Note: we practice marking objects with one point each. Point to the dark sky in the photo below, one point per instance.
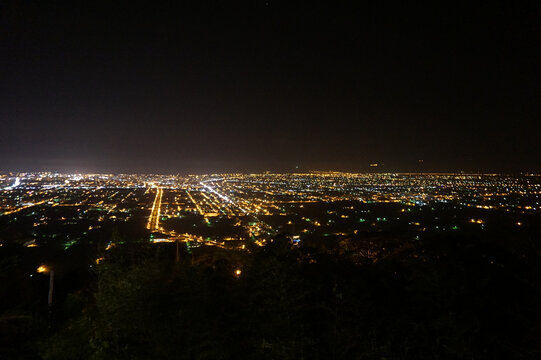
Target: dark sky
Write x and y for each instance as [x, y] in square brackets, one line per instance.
[269, 86]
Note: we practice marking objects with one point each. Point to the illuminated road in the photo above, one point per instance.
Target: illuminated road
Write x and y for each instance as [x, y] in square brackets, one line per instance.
[27, 206]
[257, 229]
[14, 185]
[201, 212]
[154, 218]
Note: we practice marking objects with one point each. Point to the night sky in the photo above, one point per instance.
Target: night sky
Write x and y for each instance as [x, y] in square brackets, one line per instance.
[269, 86]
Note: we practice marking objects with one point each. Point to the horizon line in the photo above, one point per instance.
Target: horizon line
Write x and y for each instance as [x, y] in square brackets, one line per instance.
[311, 172]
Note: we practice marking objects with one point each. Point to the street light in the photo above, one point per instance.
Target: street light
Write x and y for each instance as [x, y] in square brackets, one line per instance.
[44, 270]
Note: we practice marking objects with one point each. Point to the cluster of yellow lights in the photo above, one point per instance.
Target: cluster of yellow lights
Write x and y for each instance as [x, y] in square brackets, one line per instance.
[25, 207]
[477, 221]
[154, 217]
[201, 212]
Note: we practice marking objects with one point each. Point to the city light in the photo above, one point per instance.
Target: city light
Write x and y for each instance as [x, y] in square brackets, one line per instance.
[255, 207]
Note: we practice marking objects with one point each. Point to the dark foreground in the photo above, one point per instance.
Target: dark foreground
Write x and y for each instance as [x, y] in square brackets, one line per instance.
[444, 297]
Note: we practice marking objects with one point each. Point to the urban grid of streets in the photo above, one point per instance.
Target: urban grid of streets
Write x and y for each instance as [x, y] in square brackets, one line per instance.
[213, 209]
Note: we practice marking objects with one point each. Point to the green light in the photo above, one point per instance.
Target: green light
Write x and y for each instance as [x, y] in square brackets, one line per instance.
[68, 244]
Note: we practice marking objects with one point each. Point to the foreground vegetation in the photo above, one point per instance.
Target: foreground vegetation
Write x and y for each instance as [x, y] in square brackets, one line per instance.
[440, 298]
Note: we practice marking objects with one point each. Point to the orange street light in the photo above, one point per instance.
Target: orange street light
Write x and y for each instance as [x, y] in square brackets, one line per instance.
[44, 270]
